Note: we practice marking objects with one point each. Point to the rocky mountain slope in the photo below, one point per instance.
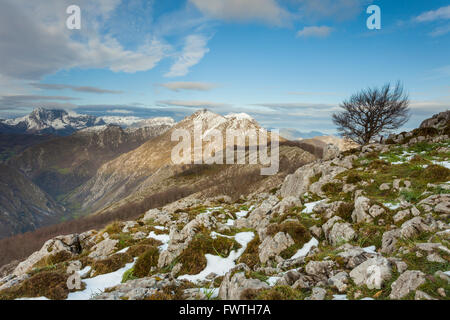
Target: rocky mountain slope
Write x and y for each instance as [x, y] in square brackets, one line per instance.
[62, 164]
[142, 170]
[23, 205]
[368, 223]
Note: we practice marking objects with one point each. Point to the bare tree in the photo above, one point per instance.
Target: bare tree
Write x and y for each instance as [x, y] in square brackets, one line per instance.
[371, 112]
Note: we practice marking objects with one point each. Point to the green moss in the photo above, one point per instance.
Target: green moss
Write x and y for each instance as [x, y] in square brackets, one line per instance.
[315, 178]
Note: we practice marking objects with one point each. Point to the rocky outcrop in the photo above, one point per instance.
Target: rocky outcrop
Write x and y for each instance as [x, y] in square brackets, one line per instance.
[373, 273]
[406, 283]
[437, 121]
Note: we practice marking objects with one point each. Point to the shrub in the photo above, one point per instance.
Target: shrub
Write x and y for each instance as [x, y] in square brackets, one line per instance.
[436, 173]
[193, 257]
[112, 263]
[52, 284]
[332, 187]
[345, 211]
[353, 178]
[280, 293]
[251, 254]
[145, 262]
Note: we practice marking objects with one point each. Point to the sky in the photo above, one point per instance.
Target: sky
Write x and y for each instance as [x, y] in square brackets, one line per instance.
[287, 63]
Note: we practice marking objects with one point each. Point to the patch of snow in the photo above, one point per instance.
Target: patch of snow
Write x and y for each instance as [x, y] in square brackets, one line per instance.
[392, 206]
[85, 271]
[33, 298]
[310, 206]
[244, 213]
[219, 265]
[306, 248]
[99, 283]
[164, 238]
[370, 249]
[159, 228]
[123, 250]
[271, 281]
[230, 222]
[340, 297]
[445, 164]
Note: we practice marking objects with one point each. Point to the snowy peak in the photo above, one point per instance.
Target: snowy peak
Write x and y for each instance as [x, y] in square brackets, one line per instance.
[61, 122]
[51, 121]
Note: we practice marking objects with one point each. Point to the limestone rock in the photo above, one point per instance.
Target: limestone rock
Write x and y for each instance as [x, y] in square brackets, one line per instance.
[407, 282]
[373, 273]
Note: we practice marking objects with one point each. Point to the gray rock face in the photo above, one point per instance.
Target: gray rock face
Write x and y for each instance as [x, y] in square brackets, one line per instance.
[321, 269]
[437, 121]
[361, 211]
[103, 249]
[232, 288]
[339, 281]
[406, 283]
[336, 231]
[70, 243]
[353, 256]
[414, 227]
[273, 246]
[373, 273]
[317, 294]
[389, 241]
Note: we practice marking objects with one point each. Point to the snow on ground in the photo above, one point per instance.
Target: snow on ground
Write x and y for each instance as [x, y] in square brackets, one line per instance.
[243, 213]
[159, 227]
[310, 206]
[339, 297]
[99, 283]
[306, 248]
[33, 298]
[164, 238]
[370, 249]
[445, 164]
[123, 250]
[271, 281]
[219, 265]
[392, 206]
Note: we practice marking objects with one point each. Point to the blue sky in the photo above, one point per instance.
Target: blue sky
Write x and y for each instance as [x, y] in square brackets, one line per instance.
[287, 63]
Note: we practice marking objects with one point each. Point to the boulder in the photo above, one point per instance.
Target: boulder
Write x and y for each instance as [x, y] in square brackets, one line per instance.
[372, 273]
[273, 246]
[233, 286]
[406, 283]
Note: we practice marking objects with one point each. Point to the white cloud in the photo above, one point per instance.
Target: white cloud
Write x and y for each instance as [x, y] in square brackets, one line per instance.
[193, 104]
[35, 42]
[321, 32]
[193, 51]
[121, 111]
[88, 89]
[339, 10]
[267, 11]
[442, 13]
[197, 86]
[440, 31]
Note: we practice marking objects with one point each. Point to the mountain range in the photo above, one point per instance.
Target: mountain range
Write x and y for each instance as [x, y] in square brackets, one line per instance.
[80, 165]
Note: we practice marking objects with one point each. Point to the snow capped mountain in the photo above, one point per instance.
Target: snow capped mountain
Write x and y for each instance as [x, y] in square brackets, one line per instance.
[61, 122]
[58, 122]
